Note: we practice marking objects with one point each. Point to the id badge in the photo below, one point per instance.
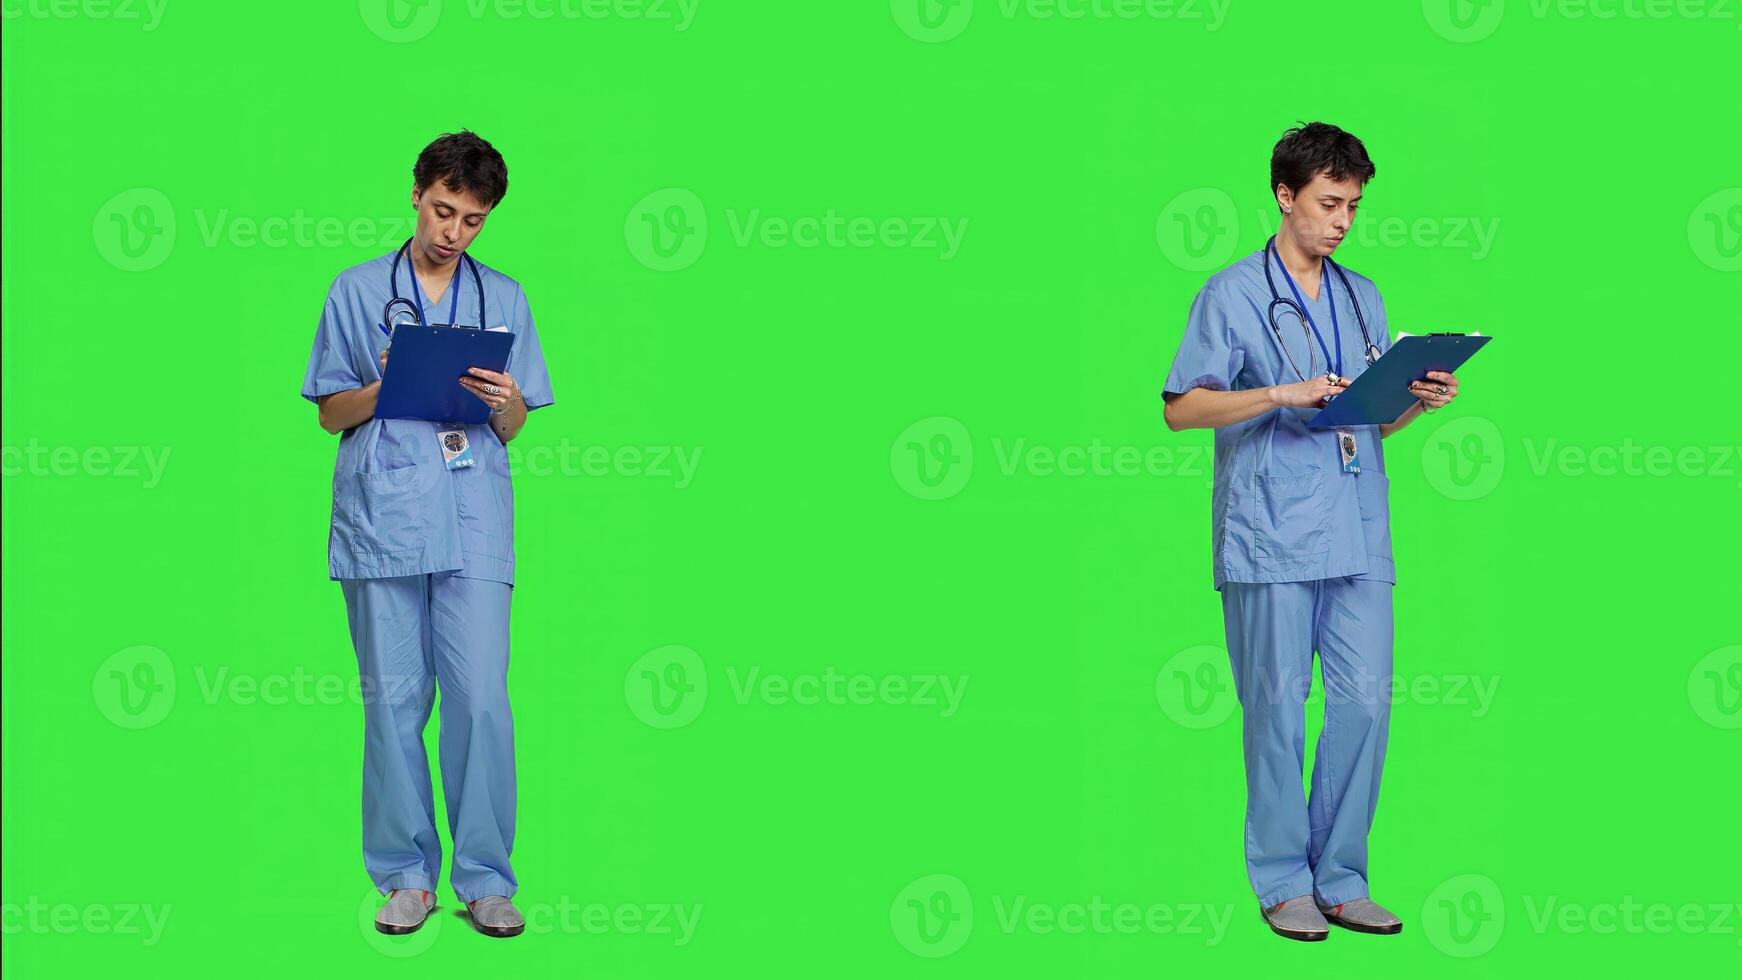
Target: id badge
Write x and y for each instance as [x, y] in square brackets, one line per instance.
[1347, 449]
[456, 448]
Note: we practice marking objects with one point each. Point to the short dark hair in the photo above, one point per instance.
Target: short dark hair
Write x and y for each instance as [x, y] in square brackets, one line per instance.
[1314, 148]
[463, 161]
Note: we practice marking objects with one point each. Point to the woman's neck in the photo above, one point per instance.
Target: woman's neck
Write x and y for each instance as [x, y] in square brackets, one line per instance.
[1301, 265]
[428, 270]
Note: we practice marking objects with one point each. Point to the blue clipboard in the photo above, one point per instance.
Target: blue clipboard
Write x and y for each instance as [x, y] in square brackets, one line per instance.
[1381, 393]
[424, 370]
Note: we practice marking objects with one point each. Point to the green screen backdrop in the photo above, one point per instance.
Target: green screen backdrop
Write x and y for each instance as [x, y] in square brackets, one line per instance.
[864, 622]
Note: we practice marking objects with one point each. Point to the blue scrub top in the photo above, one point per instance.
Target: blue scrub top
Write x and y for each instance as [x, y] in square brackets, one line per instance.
[397, 508]
[1281, 508]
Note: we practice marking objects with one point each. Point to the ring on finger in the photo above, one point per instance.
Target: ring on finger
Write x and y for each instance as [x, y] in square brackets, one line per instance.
[497, 390]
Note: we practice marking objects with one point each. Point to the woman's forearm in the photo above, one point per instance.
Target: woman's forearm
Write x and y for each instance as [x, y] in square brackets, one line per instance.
[1409, 415]
[1201, 408]
[343, 409]
[509, 422]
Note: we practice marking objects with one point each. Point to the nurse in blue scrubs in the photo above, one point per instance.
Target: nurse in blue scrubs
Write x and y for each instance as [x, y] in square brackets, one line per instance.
[424, 548]
[1300, 532]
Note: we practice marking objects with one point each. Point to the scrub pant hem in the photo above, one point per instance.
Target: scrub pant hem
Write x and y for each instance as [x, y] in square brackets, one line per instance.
[1282, 895]
[487, 886]
[405, 880]
[1341, 897]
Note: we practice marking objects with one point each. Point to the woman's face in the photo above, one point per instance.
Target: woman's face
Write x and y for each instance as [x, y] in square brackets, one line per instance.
[1319, 217]
[447, 221]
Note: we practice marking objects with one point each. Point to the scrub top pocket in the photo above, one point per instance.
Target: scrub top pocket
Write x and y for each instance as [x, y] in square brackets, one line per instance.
[386, 510]
[1293, 516]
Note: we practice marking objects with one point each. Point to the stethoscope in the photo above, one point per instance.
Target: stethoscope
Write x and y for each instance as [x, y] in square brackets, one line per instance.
[414, 305]
[1298, 306]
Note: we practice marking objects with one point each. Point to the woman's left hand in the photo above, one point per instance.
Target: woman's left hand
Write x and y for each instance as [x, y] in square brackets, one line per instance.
[496, 388]
[1437, 391]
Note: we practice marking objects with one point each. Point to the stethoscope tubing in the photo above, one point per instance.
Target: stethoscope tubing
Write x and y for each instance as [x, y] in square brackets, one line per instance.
[1277, 299]
[416, 308]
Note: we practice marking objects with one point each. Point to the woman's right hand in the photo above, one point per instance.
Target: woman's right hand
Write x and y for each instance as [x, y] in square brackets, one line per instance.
[384, 362]
[1314, 392]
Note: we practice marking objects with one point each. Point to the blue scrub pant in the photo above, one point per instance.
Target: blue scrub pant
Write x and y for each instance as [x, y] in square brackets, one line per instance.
[411, 635]
[1295, 846]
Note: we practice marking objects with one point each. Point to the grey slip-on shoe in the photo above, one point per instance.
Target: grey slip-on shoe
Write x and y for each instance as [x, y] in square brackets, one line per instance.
[405, 911]
[494, 915]
[1363, 915]
[1296, 918]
